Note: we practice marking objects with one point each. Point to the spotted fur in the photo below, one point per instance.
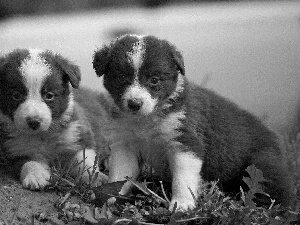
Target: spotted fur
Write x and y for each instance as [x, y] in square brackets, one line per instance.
[185, 132]
[39, 119]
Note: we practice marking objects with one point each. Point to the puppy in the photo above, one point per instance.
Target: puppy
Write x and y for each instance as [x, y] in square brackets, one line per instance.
[182, 130]
[39, 119]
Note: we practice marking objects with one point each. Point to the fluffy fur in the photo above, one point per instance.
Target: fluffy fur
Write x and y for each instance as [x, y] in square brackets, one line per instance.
[185, 132]
[39, 120]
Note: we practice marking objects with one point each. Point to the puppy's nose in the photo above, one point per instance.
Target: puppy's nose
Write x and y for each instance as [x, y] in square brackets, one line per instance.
[33, 123]
[134, 104]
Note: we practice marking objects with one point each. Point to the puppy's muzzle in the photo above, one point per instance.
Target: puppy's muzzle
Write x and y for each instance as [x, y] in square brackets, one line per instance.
[33, 122]
[134, 105]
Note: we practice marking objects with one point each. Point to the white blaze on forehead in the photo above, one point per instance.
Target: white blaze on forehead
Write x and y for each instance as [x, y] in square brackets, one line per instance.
[136, 55]
[34, 69]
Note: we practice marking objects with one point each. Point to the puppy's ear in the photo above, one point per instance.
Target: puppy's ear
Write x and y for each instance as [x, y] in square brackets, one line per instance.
[101, 59]
[71, 71]
[178, 60]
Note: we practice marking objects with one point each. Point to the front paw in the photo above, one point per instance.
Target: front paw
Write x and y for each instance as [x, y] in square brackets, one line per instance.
[182, 205]
[101, 179]
[35, 175]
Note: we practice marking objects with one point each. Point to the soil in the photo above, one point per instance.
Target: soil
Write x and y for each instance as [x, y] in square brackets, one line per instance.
[21, 206]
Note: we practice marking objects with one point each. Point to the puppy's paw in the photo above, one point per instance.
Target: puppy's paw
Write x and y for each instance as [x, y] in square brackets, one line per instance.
[182, 204]
[101, 179]
[35, 175]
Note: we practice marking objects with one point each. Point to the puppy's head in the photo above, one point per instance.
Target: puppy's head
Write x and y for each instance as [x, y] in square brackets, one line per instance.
[141, 73]
[34, 89]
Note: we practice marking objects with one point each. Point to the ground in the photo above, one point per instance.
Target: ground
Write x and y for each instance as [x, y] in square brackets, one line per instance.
[30, 207]
[20, 205]
[12, 196]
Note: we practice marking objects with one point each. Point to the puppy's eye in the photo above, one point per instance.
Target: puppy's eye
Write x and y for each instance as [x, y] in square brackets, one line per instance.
[17, 96]
[154, 81]
[49, 96]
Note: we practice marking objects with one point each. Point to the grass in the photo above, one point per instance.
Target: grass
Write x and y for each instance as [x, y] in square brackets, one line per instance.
[148, 203]
[149, 200]
[213, 207]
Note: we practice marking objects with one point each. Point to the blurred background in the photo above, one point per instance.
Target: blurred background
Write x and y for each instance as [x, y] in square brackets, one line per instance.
[248, 51]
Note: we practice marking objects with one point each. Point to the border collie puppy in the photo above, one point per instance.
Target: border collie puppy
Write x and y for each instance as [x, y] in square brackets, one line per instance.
[39, 119]
[184, 131]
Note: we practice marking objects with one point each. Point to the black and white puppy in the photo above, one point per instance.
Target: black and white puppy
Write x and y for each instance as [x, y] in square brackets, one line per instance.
[39, 119]
[182, 130]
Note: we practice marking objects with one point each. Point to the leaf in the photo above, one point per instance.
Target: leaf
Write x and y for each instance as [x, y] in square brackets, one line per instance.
[106, 191]
[254, 184]
[256, 177]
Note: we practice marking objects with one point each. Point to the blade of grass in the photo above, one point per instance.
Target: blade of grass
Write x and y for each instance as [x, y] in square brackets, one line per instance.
[163, 191]
[147, 189]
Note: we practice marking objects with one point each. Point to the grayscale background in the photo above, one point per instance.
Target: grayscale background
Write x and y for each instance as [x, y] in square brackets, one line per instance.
[248, 51]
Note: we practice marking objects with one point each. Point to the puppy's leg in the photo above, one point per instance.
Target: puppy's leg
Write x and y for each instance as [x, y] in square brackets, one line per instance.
[122, 163]
[185, 170]
[279, 185]
[87, 158]
[35, 175]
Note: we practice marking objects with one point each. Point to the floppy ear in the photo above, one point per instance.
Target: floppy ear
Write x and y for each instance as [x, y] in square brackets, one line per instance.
[178, 60]
[101, 59]
[71, 70]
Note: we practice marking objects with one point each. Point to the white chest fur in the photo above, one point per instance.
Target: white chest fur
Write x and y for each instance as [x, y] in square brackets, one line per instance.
[150, 138]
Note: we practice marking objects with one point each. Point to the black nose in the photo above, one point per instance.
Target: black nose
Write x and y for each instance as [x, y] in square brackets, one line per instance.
[33, 123]
[134, 104]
